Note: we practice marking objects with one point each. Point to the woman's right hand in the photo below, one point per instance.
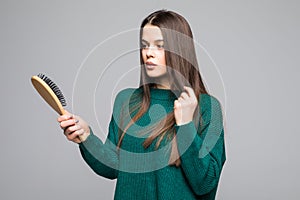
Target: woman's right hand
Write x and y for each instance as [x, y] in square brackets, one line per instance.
[75, 128]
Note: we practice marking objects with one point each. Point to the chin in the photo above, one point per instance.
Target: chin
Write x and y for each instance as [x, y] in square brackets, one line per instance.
[151, 75]
[155, 74]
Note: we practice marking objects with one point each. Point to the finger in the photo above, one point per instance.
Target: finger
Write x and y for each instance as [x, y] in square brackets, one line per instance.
[75, 134]
[67, 115]
[190, 91]
[184, 95]
[177, 104]
[69, 130]
[180, 99]
[76, 118]
[64, 117]
[67, 123]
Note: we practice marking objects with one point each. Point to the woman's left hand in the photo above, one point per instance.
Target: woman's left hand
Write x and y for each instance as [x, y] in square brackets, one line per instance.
[185, 106]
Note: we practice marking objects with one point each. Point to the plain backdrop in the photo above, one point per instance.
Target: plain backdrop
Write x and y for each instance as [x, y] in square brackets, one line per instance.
[250, 62]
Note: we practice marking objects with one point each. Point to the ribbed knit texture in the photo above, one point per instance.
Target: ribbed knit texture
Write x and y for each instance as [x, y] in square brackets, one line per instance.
[145, 173]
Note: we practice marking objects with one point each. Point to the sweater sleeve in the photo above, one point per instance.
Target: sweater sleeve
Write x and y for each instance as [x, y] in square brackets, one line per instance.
[203, 152]
[102, 158]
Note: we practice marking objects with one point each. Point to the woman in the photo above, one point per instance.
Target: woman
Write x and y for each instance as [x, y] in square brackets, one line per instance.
[165, 138]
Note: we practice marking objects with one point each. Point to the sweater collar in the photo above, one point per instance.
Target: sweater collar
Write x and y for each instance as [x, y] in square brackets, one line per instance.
[163, 94]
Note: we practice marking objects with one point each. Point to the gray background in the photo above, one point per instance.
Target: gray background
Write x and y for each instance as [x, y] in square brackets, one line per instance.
[255, 45]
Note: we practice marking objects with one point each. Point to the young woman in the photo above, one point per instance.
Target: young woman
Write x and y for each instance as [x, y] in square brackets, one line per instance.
[166, 137]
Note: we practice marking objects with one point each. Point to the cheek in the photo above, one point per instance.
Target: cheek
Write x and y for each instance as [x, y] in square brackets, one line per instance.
[144, 55]
[162, 58]
[164, 69]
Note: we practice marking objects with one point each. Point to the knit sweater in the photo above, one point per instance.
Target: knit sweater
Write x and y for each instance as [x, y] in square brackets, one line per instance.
[145, 173]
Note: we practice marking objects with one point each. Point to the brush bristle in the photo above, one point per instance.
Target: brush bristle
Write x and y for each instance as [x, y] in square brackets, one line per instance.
[54, 88]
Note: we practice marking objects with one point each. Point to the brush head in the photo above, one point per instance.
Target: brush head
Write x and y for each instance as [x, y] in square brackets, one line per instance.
[50, 92]
[54, 88]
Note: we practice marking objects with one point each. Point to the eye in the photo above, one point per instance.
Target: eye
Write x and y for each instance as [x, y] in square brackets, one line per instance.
[144, 46]
[160, 46]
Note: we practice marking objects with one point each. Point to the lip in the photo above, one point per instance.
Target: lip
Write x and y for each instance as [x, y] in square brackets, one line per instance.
[150, 65]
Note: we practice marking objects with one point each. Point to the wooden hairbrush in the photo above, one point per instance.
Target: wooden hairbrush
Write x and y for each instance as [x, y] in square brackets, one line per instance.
[50, 93]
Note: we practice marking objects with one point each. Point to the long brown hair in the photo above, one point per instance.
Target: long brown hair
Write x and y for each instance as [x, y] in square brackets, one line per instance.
[180, 58]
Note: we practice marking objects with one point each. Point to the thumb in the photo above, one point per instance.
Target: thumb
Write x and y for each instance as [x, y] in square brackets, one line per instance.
[67, 115]
[176, 104]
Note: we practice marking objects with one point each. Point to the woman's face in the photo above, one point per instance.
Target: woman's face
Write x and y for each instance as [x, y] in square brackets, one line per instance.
[153, 52]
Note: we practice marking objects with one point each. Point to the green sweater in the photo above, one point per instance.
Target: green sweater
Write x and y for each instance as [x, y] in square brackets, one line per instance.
[144, 173]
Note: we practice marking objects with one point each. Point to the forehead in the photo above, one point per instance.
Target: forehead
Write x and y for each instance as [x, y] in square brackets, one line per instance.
[151, 33]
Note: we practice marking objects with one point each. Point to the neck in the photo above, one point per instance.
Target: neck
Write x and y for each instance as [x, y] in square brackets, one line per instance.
[162, 86]
[162, 82]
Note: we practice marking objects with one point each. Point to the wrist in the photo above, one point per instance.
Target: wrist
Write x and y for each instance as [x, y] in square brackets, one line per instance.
[183, 122]
[85, 135]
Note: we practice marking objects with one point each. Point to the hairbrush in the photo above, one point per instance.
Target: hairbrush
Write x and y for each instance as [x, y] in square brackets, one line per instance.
[50, 93]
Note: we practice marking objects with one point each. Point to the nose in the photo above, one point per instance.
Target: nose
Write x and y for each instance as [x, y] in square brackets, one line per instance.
[150, 52]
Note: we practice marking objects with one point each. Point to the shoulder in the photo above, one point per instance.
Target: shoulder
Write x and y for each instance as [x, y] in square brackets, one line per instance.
[209, 103]
[124, 95]
[127, 93]
[208, 99]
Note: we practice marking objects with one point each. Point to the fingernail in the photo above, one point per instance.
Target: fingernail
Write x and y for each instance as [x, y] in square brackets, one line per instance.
[76, 121]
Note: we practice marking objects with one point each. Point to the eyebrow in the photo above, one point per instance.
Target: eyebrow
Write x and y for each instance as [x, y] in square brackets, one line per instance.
[159, 40]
